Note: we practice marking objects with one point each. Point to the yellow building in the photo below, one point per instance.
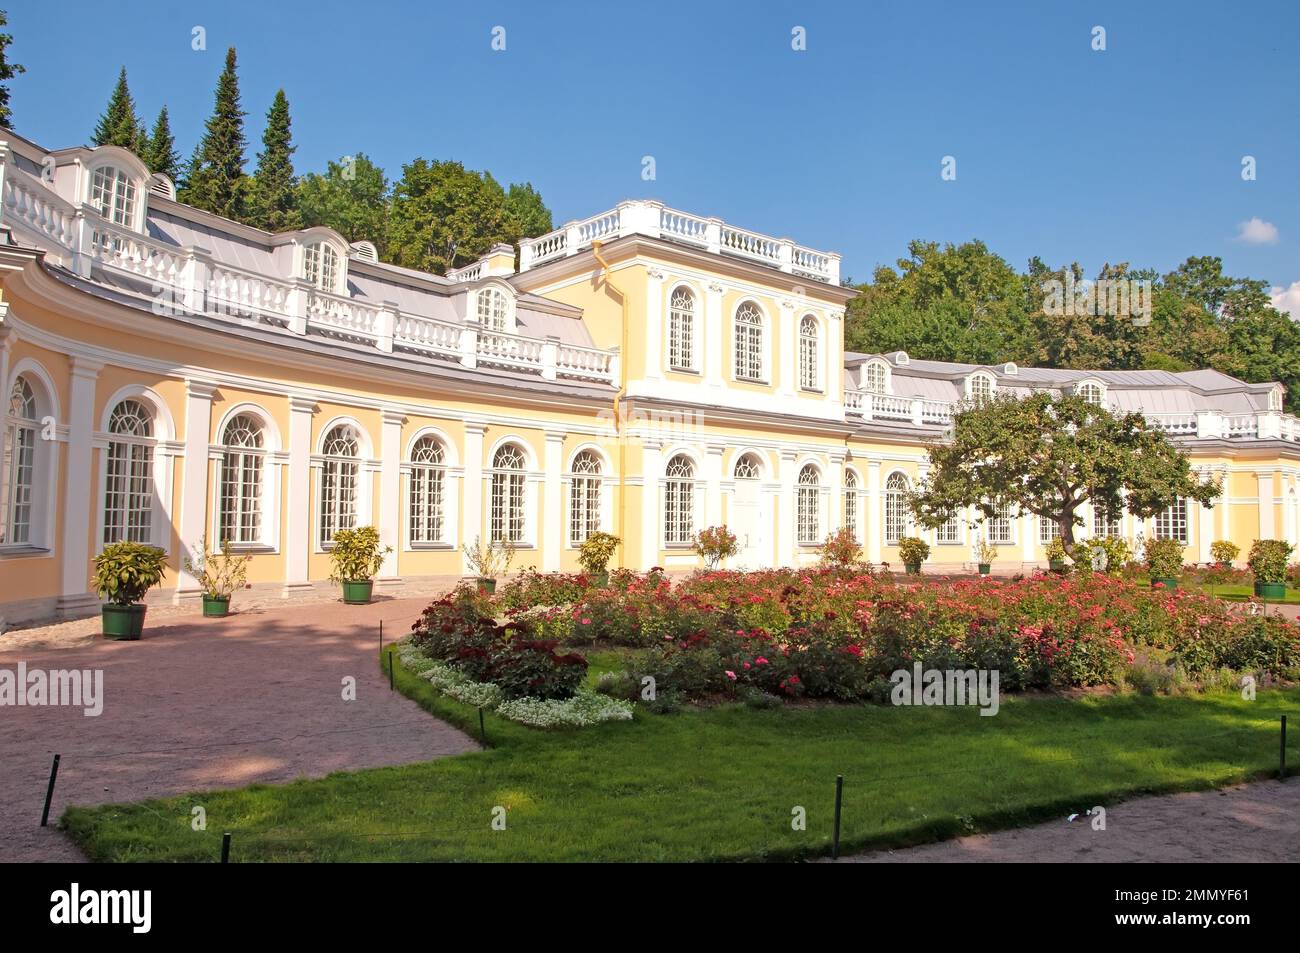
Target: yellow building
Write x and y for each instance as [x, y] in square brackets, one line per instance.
[173, 376]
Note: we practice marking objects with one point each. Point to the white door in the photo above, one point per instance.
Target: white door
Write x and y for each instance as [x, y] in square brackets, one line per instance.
[747, 524]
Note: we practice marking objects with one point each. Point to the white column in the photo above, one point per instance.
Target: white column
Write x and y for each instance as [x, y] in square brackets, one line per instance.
[297, 517]
[1028, 538]
[1224, 507]
[713, 484]
[79, 498]
[390, 494]
[875, 531]
[471, 502]
[786, 510]
[655, 358]
[651, 471]
[553, 501]
[1205, 527]
[194, 483]
[835, 508]
[715, 357]
[783, 349]
[1267, 495]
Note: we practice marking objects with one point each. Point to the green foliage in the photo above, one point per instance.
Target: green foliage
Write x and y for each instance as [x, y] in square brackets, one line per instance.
[7, 72]
[215, 180]
[1164, 557]
[351, 198]
[160, 153]
[1268, 559]
[714, 544]
[356, 554]
[1116, 549]
[489, 559]
[1224, 551]
[120, 125]
[526, 214]
[913, 550]
[1056, 549]
[595, 552]
[274, 190]
[219, 573]
[124, 571]
[841, 549]
[986, 551]
[444, 216]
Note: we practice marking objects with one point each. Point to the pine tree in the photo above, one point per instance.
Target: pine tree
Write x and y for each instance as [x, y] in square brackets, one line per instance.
[216, 173]
[7, 72]
[160, 153]
[274, 186]
[120, 126]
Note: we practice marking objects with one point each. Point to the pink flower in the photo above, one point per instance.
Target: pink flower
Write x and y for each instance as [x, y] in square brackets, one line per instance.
[586, 622]
[760, 661]
[731, 675]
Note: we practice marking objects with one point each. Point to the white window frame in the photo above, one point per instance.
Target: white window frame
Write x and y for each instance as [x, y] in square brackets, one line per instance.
[897, 521]
[324, 266]
[423, 477]
[165, 449]
[749, 344]
[973, 388]
[810, 352]
[807, 509]
[949, 532]
[683, 330]
[494, 308]
[678, 526]
[1000, 529]
[273, 460]
[1169, 521]
[852, 502]
[869, 370]
[1085, 388]
[24, 466]
[1048, 530]
[115, 194]
[586, 496]
[511, 483]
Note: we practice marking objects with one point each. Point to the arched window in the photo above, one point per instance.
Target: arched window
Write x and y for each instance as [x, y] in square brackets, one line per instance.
[982, 387]
[1172, 522]
[584, 497]
[749, 342]
[809, 371]
[427, 491]
[112, 194]
[320, 266]
[896, 513]
[807, 504]
[851, 502]
[129, 489]
[18, 466]
[748, 468]
[243, 470]
[679, 501]
[681, 330]
[493, 310]
[1090, 392]
[874, 377]
[1275, 399]
[340, 481]
[508, 494]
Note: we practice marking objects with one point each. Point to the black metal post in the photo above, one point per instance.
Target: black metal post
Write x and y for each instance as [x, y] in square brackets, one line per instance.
[1281, 767]
[225, 847]
[391, 669]
[49, 792]
[839, 802]
[482, 730]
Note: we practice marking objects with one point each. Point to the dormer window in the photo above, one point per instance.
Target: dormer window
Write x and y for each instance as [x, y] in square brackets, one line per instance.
[980, 387]
[1275, 399]
[875, 377]
[1091, 391]
[494, 311]
[320, 266]
[112, 194]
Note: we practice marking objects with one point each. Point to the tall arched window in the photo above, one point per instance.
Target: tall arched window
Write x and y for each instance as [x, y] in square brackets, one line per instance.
[18, 466]
[851, 489]
[679, 501]
[493, 310]
[874, 377]
[807, 505]
[896, 513]
[748, 468]
[749, 342]
[508, 494]
[427, 491]
[681, 330]
[584, 497]
[320, 266]
[340, 481]
[809, 357]
[112, 194]
[243, 471]
[129, 490]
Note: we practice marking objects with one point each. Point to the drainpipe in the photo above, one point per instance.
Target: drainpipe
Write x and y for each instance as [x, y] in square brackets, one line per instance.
[622, 390]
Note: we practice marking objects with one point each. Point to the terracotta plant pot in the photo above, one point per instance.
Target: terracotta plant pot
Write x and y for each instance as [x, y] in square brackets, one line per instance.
[357, 593]
[123, 623]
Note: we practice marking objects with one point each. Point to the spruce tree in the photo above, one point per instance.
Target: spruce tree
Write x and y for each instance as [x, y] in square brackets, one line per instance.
[160, 153]
[274, 186]
[216, 174]
[120, 126]
[7, 72]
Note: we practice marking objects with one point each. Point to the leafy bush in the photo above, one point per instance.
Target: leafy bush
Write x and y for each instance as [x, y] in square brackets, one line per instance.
[986, 551]
[527, 668]
[490, 559]
[913, 550]
[1224, 551]
[841, 550]
[595, 552]
[124, 572]
[1056, 549]
[715, 544]
[356, 555]
[533, 588]
[1164, 557]
[1116, 552]
[582, 710]
[219, 574]
[1268, 559]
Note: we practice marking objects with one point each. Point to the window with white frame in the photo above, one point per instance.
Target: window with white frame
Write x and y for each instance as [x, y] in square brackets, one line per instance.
[129, 487]
[18, 465]
[875, 377]
[584, 497]
[426, 492]
[949, 532]
[748, 468]
[1102, 526]
[1048, 530]
[897, 516]
[1091, 392]
[1275, 399]
[981, 387]
[1172, 523]
[112, 194]
[243, 473]
[807, 506]
[493, 310]
[681, 330]
[320, 266]
[340, 481]
[749, 342]
[851, 490]
[809, 348]
[679, 501]
[507, 511]
[1001, 527]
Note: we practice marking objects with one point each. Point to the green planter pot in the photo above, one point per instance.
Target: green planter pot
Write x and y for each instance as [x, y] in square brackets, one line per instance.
[1166, 582]
[1271, 590]
[985, 568]
[358, 593]
[1056, 565]
[487, 586]
[913, 569]
[216, 606]
[123, 623]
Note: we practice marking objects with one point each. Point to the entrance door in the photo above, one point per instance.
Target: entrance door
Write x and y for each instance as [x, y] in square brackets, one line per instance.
[747, 524]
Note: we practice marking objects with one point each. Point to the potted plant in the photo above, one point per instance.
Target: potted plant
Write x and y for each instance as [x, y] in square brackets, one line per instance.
[986, 552]
[715, 544]
[356, 556]
[913, 550]
[594, 555]
[1225, 553]
[1268, 561]
[1164, 559]
[489, 560]
[124, 572]
[218, 574]
[1056, 555]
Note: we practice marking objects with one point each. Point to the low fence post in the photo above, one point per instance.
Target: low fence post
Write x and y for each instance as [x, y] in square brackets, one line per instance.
[49, 792]
[839, 801]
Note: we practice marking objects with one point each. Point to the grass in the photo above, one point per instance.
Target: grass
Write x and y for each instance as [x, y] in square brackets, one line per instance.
[720, 783]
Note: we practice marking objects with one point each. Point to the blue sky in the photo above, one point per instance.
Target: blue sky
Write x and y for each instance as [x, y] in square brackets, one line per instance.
[1131, 154]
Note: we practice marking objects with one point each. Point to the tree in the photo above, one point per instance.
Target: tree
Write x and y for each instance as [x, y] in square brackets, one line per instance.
[160, 153]
[351, 198]
[526, 214]
[1049, 456]
[443, 216]
[119, 125]
[7, 72]
[274, 193]
[215, 178]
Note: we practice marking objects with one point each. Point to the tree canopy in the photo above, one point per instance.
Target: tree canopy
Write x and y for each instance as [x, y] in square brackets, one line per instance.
[274, 199]
[7, 72]
[351, 197]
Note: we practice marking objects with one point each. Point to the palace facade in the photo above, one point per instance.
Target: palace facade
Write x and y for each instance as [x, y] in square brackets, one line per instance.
[171, 377]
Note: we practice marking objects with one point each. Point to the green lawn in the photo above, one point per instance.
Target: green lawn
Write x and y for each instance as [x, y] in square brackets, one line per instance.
[721, 784]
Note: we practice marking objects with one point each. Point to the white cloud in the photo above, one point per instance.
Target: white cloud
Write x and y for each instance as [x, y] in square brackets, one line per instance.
[1257, 232]
[1287, 299]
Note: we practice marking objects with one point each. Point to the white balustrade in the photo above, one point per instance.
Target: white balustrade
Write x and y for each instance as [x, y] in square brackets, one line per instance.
[426, 336]
[31, 205]
[341, 317]
[244, 294]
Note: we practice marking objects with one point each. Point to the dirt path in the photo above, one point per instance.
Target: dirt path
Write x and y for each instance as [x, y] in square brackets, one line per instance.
[1250, 823]
[201, 703]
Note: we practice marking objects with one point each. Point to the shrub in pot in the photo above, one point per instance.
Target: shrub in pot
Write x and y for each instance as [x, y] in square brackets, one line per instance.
[595, 553]
[489, 560]
[986, 552]
[218, 575]
[356, 555]
[841, 550]
[1164, 559]
[1056, 555]
[1224, 552]
[913, 550]
[124, 572]
[714, 544]
[1268, 561]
